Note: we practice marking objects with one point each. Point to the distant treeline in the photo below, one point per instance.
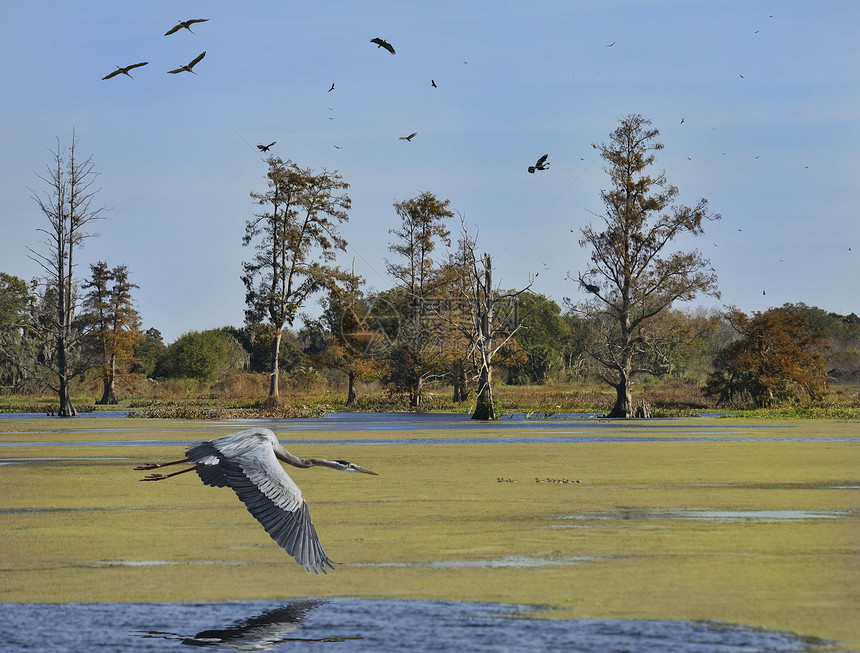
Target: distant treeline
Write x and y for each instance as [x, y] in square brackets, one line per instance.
[362, 338]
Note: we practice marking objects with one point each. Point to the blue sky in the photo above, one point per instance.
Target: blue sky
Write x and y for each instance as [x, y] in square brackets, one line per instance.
[769, 94]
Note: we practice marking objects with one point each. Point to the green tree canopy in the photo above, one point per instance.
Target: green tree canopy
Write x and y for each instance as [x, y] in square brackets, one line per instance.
[203, 355]
[15, 302]
[147, 352]
[541, 339]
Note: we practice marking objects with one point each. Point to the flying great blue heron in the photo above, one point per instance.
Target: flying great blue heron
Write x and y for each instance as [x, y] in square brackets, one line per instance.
[186, 24]
[187, 67]
[247, 462]
[124, 70]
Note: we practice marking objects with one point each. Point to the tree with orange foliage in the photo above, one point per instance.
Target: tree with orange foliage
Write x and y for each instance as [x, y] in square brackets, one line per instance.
[115, 323]
[778, 358]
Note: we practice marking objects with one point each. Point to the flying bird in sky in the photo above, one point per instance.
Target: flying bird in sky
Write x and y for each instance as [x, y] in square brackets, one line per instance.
[188, 66]
[265, 148]
[540, 165]
[185, 24]
[247, 462]
[124, 71]
[433, 83]
[410, 137]
[382, 43]
[332, 87]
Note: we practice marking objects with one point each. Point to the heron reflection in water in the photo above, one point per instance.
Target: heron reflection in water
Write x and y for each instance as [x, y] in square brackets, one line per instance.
[247, 462]
[258, 633]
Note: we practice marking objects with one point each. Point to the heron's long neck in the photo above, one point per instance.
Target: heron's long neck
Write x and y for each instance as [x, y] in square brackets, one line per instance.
[295, 461]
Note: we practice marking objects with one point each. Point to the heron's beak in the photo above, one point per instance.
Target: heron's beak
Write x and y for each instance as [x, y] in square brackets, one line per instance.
[365, 471]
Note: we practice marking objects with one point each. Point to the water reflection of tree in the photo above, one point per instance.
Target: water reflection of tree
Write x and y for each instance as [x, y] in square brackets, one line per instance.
[257, 633]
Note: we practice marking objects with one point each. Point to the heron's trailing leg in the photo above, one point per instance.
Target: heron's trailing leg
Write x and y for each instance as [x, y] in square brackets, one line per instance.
[161, 477]
[147, 466]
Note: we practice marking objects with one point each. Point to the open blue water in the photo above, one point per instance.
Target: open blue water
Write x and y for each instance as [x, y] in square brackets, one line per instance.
[558, 429]
[345, 625]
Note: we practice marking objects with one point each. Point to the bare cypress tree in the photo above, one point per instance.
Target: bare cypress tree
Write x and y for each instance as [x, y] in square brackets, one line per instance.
[633, 274]
[67, 204]
[478, 321]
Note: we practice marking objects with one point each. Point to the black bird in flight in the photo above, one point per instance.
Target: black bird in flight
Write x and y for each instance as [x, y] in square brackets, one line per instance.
[433, 83]
[124, 71]
[186, 24]
[382, 43]
[265, 148]
[409, 138]
[611, 44]
[188, 66]
[332, 87]
[540, 165]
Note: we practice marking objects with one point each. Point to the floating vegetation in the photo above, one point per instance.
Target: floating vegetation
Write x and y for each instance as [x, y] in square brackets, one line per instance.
[190, 411]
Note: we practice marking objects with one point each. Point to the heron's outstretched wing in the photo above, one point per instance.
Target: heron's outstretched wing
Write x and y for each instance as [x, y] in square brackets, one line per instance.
[197, 59]
[250, 468]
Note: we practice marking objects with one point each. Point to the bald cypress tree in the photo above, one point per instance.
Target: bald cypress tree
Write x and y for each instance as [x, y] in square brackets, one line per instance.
[295, 236]
[634, 272]
[115, 323]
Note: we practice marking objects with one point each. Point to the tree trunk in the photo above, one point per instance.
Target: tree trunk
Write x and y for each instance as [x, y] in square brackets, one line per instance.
[350, 392]
[66, 409]
[273, 378]
[415, 394]
[484, 408]
[624, 398]
[459, 385]
[109, 382]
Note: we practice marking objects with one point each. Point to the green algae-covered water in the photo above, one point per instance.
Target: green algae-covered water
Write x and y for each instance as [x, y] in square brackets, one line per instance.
[747, 525]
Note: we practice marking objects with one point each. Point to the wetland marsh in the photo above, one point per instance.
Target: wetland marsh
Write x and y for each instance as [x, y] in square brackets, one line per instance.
[735, 522]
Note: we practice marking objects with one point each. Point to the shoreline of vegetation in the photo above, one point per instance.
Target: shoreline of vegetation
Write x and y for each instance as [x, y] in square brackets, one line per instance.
[236, 398]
